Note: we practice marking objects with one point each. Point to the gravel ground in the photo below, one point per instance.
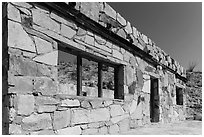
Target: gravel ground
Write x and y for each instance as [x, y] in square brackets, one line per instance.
[179, 128]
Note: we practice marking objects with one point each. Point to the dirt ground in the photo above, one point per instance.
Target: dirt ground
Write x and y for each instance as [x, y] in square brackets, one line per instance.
[179, 128]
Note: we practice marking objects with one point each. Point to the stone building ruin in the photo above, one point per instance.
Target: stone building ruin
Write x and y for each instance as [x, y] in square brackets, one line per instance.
[81, 68]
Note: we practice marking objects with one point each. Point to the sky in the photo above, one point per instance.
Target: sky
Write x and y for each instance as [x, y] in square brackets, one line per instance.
[175, 27]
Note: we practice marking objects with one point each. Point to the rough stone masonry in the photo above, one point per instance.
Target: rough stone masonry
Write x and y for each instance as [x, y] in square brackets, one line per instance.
[35, 103]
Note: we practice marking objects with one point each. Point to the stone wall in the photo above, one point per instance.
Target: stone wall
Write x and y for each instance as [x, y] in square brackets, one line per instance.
[36, 103]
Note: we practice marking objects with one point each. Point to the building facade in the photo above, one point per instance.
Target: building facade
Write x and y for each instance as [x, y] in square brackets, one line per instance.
[81, 68]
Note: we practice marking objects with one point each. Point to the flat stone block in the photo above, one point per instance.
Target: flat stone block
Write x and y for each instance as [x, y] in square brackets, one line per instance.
[43, 46]
[70, 103]
[18, 38]
[61, 119]
[113, 129]
[70, 131]
[46, 108]
[67, 31]
[49, 58]
[25, 104]
[117, 54]
[79, 116]
[101, 114]
[37, 122]
[13, 13]
[116, 110]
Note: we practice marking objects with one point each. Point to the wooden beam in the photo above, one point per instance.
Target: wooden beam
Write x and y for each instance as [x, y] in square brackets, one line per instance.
[100, 81]
[79, 76]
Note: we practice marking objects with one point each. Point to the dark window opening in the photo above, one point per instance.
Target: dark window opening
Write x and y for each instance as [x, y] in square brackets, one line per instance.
[80, 75]
[179, 96]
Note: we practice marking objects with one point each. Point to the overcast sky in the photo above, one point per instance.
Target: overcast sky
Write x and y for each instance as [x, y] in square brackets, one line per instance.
[174, 27]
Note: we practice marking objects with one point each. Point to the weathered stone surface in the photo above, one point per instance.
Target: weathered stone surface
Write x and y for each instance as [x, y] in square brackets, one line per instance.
[49, 58]
[116, 110]
[103, 130]
[114, 129]
[25, 104]
[45, 86]
[45, 21]
[22, 4]
[13, 13]
[128, 28]
[108, 102]
[79, 116]
[61, 119]
[145, 39]
[117, 54]
[122, 33]
[96, 103]
[41, 100]
[105, 48]
[15, 129]
[67, 31]
[133, 107]
[101, 114]
[146, 87]
[18, 38]
[70, 131]
[85, 104]
[89, 40]
[165, 80]
[137, 114]
[12, 114]
[121, 20]
[129, 75]
[37, 122]
[42, 46]
[119, 118]
[110, 11]
[64, 21]
[46, 108]
[91, 9]
[70, 103]
[66, 88]
[100, 40]
[124, 125]
[22, 85]
[43, 132]
[140, 78]
[90, 131]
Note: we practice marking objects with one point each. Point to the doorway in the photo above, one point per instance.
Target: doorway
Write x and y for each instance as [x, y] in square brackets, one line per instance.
[154, 100]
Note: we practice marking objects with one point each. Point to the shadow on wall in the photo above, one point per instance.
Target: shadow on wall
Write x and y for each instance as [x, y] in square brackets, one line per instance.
[5, 64]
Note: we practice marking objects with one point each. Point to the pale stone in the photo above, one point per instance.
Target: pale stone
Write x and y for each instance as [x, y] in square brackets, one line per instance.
[70, 131]
[43, 132]
[96, 103]
[110, 11]
[89, 40]
[165, 80]
[12, 114]
[135, 32]
[114, 129]
[101, 114]
[22, 4]
[85, 104]
[49, 58]
[103, 130]
[18, 38]
[105, 48]
[90, 131]
[119, 118]
[67, 31]
[117, 54]
[25, 104]
[116, 110]
[126, 89]
[146, 86]
[43, 100]
[46, 108]
[121, 20]
[133, 107]
[42, 46]
[138, 112]
[45, 21]
[70, 103]
[79, 116]
[37, 122]
[128, 28]
[62, 20]
[145, 39]
[15, 129]
[129, 75]
[108, 102]
[124, 125]
[61, 119]
[13, 13]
